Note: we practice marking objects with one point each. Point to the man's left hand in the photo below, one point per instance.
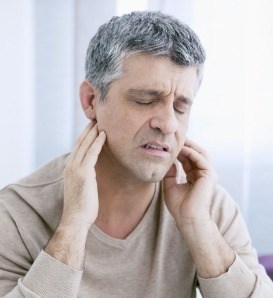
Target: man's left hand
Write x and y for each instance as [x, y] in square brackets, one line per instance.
[190, 201]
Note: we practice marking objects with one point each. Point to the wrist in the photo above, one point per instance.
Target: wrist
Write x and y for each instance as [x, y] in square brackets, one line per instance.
[74, 224]
[211, 254]
[68, 244]
[197, 224]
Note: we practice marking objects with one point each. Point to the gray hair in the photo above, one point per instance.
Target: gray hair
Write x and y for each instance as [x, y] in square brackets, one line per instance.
[150, 32]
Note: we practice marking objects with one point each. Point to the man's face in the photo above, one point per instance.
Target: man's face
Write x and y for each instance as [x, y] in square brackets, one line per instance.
[145, 116]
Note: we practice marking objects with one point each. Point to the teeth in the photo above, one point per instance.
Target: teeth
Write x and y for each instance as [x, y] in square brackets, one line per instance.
[154, 147]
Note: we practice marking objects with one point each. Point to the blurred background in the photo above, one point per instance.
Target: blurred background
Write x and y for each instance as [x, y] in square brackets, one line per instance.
[43, 45]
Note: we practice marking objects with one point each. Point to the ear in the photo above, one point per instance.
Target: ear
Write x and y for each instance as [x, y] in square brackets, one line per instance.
[88, 95]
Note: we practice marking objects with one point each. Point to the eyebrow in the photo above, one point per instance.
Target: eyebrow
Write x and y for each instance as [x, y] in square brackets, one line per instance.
[154, 92]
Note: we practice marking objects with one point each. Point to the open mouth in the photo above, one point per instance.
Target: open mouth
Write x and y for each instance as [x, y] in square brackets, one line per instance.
[154, 147]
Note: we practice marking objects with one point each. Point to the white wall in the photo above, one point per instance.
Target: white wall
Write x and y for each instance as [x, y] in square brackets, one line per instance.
[89, 16]
[16, 89]
[42, 64]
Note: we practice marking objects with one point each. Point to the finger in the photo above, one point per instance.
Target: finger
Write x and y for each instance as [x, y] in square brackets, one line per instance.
[86, 145]
[196, 147]
[188, 167]
[197, 160]
[186, 163]
[93, 152]
[79, 140]
[191, 177]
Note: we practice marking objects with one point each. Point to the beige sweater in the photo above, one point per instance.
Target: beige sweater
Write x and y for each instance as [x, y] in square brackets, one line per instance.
[153, 261]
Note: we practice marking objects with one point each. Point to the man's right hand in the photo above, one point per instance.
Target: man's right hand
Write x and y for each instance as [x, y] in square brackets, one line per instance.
[80, 185]
[80, 200]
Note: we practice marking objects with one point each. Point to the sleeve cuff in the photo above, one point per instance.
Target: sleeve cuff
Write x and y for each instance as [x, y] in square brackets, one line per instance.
[237, 282]
[49, 277]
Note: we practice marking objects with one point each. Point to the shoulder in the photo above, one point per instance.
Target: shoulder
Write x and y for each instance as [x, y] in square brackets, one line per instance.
[38, 195]
[224, 210]
[47, 174]
[222, 202]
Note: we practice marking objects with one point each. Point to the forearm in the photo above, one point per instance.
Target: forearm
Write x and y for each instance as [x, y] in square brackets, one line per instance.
[54, 271]
[80, 208]
[211, 254]
[68, 244]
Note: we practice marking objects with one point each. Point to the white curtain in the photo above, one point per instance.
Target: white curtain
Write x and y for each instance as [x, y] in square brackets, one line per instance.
[42, 65]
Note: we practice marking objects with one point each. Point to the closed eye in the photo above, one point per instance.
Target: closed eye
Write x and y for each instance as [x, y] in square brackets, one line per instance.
[181, 108]
[180, 112]
[144, 103]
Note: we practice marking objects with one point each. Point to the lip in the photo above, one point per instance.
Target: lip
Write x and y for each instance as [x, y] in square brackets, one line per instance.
[165, 152]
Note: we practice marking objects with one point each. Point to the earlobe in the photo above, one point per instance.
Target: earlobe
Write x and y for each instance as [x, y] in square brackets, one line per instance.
[88, 96]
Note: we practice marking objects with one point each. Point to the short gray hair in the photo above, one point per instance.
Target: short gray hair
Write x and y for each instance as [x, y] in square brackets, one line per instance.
[150, 32]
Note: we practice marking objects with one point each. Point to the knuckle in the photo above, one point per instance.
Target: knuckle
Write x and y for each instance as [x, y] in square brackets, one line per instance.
[69, 169]
[75, 175]
[85, 143]
[80, 179]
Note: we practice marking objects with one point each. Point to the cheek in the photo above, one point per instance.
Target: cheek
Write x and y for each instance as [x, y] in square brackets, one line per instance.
[107, 121]
[115, 127]
[181, 135]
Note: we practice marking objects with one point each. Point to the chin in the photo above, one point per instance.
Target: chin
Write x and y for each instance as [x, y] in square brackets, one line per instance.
[149, 176]
[147, 171]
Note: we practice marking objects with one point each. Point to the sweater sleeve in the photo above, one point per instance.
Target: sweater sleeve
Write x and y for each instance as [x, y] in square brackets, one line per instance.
[20, 276]
[245, 277]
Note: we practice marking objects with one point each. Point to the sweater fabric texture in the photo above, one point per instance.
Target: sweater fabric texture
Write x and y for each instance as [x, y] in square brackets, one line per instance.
[153, 261]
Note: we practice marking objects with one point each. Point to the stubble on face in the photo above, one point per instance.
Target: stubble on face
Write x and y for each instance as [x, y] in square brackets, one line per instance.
[131, 121]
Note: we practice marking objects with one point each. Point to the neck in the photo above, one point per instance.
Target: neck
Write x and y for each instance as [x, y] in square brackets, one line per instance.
[123, 200]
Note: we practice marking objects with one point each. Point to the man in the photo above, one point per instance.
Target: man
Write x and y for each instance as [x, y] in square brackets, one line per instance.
[116, 217]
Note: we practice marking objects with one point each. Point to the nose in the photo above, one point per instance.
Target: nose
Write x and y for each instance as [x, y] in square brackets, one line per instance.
[165, 120]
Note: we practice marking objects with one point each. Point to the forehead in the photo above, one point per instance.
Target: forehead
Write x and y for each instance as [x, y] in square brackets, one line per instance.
[145, 71]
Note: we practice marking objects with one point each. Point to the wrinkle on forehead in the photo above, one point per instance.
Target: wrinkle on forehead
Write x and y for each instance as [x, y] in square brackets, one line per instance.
[144, 71]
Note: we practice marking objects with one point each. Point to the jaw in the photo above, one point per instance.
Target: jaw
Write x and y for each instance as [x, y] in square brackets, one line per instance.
[132, 171]
[150, 171]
